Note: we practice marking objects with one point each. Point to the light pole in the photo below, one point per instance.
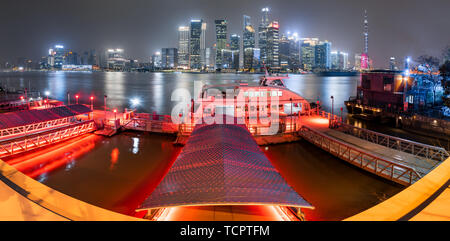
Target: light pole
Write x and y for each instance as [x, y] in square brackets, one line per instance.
[68, 98]
[104, 103]
[92, 103]
[76, 97]
[47, 93]
[332, 112]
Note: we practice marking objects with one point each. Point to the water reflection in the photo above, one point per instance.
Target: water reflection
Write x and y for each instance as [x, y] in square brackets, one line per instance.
[155, 89]
[135, 145]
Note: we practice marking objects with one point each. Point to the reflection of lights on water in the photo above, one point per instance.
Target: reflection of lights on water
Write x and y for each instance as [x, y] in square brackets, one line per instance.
[43, 177]
[70, 165]
[114, 157]
[135, 145]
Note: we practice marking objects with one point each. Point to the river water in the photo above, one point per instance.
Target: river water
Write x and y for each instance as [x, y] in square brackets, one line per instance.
[118, 173]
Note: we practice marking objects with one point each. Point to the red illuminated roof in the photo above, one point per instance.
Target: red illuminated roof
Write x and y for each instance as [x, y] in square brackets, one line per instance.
[222, 165]
[27, 117]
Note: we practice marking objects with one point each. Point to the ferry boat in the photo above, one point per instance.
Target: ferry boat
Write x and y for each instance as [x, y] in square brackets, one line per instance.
[240, 97]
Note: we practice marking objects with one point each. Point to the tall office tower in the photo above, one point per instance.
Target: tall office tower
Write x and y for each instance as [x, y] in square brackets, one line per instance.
[248, 43]
[169, 58]
[115, 59]
[183, 47]
[235, 49]
[307, 53]
[322, 55]
[262, 34]
[284, 52]
[93, 58]
[156, 60]
[221, 41]
[71, 58]
[57, 56]
[294, 52]
[273, 45]
[195, 44]
[210, 58]
[339, 60]
[203, 46]
[392, 64]
[365, 54]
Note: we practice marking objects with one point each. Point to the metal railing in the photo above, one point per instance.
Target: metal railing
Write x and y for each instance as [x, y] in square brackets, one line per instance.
[414, 148]
[23, 144]
[391, 170]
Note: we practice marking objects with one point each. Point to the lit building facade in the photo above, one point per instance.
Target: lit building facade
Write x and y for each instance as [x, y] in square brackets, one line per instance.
[115, 59]
[221, 42]
[194, 44]
[183, 47]
[248, 43]
[235, 49]
[307, 53]
[262, 34]
[339, 60]
[169, 58]
[322, 55]
[273, 45]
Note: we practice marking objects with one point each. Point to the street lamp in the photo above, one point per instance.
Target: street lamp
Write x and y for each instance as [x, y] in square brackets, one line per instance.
[332, 112]
[76, 97]
[92, 102]
[47, 93]
[115, 113]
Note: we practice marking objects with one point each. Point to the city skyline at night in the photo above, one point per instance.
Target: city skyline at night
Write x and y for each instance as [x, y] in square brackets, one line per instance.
[393, 30]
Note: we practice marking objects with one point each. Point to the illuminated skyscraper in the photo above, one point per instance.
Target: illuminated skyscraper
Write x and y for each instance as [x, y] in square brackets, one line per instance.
[235, 48]
[392, 64]
[183, 47]
[203, 46]
[262, 34]
[115, 59]
[307, 53]
[221, 42]
[322, 55]
[57, 56]
[248, 43]
[195, 44]
[273, 45]
[169, 58]
[339, 60]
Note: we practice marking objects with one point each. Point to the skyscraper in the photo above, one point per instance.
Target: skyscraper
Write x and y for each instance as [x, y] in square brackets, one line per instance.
[392, 64]
[284, 52]
[322, 55]
[169, 58]
[248, 43]
[273, 45]
[262, 34]
[307, 53]
[221, 42]
[203, 46]
[183, 47]
[339, 60]
[195, 44]
[235, 48]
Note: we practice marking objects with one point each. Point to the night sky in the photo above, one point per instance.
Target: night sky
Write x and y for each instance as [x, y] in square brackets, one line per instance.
[397, 27]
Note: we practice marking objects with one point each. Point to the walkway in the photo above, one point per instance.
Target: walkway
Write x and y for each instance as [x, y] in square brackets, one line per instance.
[421, 165]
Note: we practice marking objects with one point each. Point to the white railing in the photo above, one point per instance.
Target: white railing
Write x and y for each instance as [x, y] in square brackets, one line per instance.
[388, 169]
[414, 148]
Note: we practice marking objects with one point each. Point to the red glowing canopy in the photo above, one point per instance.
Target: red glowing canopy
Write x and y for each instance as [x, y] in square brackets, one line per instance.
[222, 165]
[27, 117]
